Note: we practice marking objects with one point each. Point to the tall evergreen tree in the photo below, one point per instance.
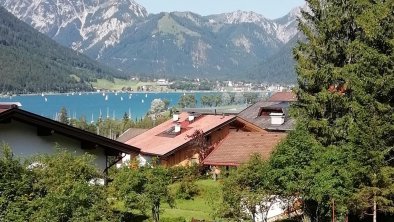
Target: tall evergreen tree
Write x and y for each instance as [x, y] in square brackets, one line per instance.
[63, 116]
[345, 98]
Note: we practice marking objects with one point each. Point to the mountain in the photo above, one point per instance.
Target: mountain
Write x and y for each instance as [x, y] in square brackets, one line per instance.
[121, 34]
[279, 68]
[32, 62]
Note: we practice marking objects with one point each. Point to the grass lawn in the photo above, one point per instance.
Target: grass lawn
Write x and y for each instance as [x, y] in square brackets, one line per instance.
[200, 207]
[118, 84]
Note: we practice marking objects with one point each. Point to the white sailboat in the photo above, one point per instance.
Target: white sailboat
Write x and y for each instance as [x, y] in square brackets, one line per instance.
[92, 121]
[121, 98]
[142, 101]
[46, 99]
[106, 97]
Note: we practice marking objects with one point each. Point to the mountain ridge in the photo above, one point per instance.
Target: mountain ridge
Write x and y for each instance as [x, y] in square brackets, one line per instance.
[32, 62]
[123, 35]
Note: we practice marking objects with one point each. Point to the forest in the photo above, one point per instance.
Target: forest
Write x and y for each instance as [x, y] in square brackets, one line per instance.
[32, 62]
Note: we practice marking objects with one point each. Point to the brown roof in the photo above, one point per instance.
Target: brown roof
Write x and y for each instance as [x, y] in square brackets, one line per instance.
[161, 141]
[130, 133]
[251, 114]
[4, 106]
[238, 147]
[283, 97]
[66, 130]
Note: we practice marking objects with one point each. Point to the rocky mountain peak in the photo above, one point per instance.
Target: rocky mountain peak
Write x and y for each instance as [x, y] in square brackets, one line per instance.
[239, 16]
[82, 21]
[121, 34]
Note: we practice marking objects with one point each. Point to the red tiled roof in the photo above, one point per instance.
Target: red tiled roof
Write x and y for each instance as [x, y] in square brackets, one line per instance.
[238, 147]
[157, 141]
[283, 97]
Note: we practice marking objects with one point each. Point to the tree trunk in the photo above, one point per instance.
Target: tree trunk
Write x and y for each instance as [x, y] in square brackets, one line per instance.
[333, 210]
[374, 209]
[155, 213]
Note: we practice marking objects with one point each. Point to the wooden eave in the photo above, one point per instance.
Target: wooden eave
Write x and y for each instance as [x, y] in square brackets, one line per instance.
[52, 126]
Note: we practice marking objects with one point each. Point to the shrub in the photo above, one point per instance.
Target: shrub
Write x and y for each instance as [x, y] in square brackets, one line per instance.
[187, 189]
[180, 172]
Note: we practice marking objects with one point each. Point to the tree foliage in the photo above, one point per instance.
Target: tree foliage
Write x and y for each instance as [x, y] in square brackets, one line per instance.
[246, 192]
[16, 183]
[51, 188]
[143, 188]
[187, 101]
[345, 103]
[32, 62]
[339, 158]
[157, 106]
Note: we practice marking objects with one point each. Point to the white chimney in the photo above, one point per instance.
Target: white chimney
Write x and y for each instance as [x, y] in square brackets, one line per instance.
[277, 118]
[177, 128]
[175, 117]
[191, 117]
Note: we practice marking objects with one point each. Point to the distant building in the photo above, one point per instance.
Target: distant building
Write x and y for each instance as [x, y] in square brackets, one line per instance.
[162, 82]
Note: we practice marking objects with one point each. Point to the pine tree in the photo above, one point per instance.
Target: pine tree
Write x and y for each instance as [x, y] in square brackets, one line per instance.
[63, 118]
[345, 95]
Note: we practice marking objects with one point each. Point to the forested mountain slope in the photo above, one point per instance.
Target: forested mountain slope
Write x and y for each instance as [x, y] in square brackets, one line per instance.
[123, 35]
[32, 62]
[279, 67]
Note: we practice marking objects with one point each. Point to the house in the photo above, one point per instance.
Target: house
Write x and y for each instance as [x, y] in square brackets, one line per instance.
[238, 147]
[283, 97]
[130, 133]
[30, 134]
[124, 137]
[265, 124]
[172, 141]
[162, 82]
[270, 116]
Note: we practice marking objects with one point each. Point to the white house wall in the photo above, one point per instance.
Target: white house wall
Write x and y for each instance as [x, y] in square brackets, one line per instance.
[24, 142]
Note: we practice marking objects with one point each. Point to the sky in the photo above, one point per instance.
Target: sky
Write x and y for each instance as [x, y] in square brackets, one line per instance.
[271, 9]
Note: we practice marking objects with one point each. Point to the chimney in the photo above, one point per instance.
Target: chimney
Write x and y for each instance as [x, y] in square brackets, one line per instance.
[175, 116]
[177, 128]
[277, 118]
[191, 117]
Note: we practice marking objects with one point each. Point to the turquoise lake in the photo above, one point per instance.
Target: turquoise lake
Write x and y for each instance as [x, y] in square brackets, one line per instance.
[91, 105]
